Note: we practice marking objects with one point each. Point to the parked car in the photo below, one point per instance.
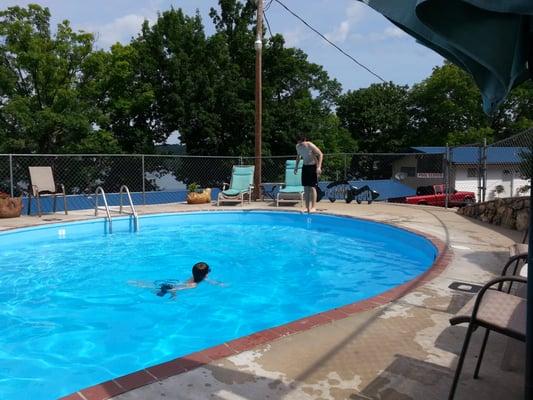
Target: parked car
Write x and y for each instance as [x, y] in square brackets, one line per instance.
[435, 195]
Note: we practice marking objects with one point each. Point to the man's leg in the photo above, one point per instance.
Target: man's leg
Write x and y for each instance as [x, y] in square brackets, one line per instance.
[313, 200]
[307, 195]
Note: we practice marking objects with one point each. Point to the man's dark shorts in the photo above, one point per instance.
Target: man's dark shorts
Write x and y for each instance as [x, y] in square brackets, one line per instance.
[309, 177]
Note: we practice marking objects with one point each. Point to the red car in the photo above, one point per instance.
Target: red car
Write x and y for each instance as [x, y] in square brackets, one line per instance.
[436, 196]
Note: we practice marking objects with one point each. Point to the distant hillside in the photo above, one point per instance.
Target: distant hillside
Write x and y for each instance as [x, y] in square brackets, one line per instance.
[174, 149]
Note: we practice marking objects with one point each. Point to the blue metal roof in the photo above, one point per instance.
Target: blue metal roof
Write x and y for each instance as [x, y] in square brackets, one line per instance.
[470, 155]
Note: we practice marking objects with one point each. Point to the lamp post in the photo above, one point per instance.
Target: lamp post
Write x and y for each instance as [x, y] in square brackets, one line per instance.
[258, 45]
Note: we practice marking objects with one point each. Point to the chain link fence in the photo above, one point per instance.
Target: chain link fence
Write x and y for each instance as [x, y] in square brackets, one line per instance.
[502, 169]
[508, 166]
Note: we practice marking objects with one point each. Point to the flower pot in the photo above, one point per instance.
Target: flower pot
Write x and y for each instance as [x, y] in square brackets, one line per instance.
[199, 197]
[10, 207]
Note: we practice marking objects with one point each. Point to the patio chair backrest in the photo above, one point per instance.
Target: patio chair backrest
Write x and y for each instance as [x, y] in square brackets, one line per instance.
[242, 177]
[43, 178]
[292, 179]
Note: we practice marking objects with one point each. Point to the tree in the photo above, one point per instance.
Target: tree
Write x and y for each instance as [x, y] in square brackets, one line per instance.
[446, 108]
[376, 117]
[41, 107]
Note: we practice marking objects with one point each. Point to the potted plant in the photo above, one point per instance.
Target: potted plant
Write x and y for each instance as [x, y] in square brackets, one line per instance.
[10, 206]
[196, 195]
[499, 189]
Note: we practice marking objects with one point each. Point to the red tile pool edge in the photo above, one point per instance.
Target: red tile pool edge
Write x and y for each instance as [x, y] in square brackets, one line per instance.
[123, 384]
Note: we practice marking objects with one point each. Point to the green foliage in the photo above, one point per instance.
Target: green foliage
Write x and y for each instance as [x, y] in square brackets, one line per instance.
[192, 187]
[443, 109]
[60, 95]
[376, 117]
[42, 107]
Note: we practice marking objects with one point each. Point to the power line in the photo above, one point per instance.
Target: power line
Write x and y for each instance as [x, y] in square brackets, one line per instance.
[268, 23]
[329, 41]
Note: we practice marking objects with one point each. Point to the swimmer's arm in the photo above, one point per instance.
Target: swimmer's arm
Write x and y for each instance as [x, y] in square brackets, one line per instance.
[216, 283]
[142, 284]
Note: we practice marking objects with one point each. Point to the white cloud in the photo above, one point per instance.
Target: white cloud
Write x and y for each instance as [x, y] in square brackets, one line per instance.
[340, 34]
[354, 13]
[122, 29]
[394, 32]
[388, 34]
[295, 37]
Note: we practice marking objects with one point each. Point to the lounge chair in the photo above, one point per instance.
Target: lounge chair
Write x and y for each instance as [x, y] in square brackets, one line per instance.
[292, 189]
[42, 183]
[494, 310]
[241, 185]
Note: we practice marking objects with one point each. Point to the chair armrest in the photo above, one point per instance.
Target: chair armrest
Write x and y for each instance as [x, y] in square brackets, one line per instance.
[62, 187]
[224, 185]
[514, 259]
[34, 190]
[491, 283]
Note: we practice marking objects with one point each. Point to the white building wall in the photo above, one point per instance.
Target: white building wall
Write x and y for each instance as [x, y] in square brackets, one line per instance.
[508, 176]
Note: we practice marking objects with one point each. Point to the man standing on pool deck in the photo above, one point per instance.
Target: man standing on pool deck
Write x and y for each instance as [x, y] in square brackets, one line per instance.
[311, 170]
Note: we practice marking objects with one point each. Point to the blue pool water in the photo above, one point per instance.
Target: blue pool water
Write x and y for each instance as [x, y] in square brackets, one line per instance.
[69, 319]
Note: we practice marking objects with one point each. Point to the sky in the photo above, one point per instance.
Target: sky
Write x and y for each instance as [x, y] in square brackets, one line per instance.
[351, 25]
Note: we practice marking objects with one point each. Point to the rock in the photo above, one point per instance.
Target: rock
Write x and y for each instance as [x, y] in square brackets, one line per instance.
[507, 219]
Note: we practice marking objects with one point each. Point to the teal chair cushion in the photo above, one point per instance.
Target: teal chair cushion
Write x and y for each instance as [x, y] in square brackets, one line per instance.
[293, 180]
[241, 179]
[292, 189]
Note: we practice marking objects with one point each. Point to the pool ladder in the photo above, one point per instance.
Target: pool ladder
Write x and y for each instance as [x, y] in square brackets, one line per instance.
[133, 213]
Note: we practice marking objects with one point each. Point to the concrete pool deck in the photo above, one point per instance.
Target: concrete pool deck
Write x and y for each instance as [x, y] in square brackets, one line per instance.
[404, 349]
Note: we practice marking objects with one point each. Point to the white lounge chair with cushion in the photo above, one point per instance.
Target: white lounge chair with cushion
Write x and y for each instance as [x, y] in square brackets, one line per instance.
[292, 190]
[43, 184]
[241, 185]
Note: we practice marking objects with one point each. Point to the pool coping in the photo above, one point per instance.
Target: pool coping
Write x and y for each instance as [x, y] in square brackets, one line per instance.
[159, 372]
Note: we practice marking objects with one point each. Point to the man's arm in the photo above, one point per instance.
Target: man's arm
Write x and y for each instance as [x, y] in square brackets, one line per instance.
[320, 157]
[296, 165]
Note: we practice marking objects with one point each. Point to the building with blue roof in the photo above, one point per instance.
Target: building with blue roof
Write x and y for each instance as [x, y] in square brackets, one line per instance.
[502, 169]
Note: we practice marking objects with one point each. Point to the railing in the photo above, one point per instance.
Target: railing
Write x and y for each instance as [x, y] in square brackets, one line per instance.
[133, 213]
[99, 189]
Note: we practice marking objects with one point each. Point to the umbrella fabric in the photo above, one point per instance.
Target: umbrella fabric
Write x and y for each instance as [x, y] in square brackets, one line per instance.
[490, 39]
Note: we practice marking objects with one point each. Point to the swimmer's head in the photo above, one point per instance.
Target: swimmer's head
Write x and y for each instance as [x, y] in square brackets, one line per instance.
[200, 271]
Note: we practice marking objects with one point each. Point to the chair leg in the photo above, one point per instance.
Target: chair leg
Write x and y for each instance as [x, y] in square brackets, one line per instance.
[481, 352]
[461, 361]
[38, 199]
[65, 203]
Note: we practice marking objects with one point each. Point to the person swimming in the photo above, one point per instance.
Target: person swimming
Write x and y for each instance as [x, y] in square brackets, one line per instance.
[199, 273]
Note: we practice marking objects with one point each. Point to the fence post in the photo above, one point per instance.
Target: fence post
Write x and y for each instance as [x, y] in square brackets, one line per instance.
[479, 175]
[143, 181]
[447, 176]
[345, 166]
[11, 189]
[484, 168]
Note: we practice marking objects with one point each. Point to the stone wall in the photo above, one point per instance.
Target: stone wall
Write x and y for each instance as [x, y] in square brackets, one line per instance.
[511, 212]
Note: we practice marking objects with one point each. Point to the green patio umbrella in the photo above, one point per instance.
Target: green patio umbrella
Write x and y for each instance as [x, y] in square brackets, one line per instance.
[493, 41]
[490, 39]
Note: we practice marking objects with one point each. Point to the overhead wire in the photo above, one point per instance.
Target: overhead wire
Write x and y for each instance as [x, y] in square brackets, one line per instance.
[327, 40]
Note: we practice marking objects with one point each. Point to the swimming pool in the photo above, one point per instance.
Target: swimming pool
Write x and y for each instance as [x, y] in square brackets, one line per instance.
[69, 319]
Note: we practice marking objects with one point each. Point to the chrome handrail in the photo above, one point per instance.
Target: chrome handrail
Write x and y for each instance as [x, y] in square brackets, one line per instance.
[123, 189]
[99, 189]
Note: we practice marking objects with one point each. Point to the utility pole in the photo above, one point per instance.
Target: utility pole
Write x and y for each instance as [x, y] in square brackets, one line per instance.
[258, 45]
